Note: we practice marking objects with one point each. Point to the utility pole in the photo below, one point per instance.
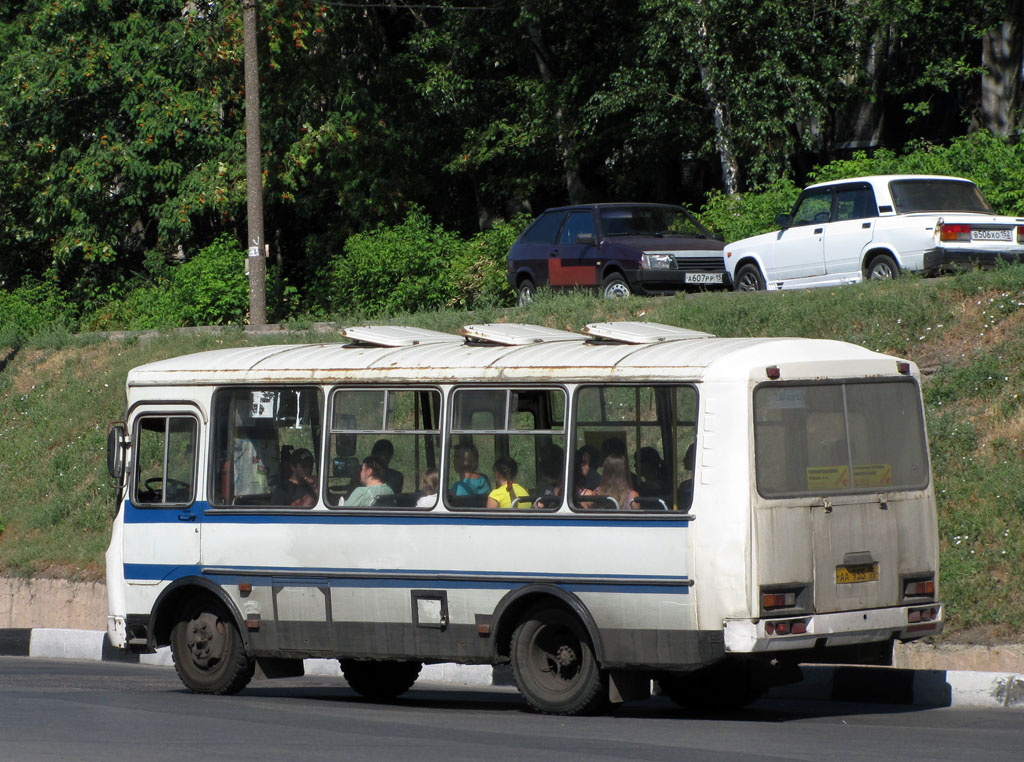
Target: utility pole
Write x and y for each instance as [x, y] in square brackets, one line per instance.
[256, 264]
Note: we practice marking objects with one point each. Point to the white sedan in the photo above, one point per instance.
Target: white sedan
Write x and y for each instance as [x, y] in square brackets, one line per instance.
[874, 228]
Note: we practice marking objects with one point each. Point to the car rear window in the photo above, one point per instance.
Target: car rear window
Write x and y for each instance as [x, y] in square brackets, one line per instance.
[544, 229]
[938, 196]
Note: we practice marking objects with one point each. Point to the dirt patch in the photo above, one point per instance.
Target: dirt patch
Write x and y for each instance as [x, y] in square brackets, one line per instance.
[986, 635]
[971, 335]
[48, 363]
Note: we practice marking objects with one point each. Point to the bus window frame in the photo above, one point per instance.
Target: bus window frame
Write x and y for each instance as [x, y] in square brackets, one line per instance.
[329, 431]
[319, 442]
[677, 512]
[451, 433]
[151, 410]
[840, 382]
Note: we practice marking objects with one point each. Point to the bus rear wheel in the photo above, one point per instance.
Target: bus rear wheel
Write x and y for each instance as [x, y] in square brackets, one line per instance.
[380, 680]
[554, 664]
[207, 649]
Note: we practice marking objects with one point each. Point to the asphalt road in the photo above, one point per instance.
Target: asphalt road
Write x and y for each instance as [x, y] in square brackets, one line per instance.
[83, 711]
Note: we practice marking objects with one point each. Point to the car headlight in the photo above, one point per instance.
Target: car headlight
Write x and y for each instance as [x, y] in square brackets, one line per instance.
[654, 260]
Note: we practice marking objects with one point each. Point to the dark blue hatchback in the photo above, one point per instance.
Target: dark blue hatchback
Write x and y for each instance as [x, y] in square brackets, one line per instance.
[619, 248]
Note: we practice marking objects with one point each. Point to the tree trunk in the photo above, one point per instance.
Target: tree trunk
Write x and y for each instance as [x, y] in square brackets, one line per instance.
[574, 186]
[720, 113]
[867, 114]
[1002, 57]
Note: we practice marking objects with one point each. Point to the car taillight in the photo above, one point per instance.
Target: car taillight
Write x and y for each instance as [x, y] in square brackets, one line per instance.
[1020, 234]
[953, 232]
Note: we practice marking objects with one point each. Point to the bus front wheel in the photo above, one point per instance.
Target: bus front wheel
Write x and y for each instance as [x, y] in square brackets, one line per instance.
[380, 680]
[207, 648]
[554, 664]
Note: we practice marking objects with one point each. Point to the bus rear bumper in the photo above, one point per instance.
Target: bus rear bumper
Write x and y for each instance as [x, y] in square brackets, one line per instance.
[846, 628]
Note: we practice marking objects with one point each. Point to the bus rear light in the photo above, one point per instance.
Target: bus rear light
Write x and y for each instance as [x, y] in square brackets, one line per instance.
[773, 372]
[953, 232]
[919, 588]
[786, 627]
[922, 615]
[903, 368]
[778, 600]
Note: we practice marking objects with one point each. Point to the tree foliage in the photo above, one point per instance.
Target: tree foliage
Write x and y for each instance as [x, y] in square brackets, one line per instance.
[123, 149]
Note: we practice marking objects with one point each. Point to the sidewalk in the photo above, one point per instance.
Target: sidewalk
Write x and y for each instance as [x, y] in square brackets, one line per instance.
[880, 685]
[58, 619]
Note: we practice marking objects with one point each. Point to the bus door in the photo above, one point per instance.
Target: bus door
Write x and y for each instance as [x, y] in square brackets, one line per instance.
[162, 512]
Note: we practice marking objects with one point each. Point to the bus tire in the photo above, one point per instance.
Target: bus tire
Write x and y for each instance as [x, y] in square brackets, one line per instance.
[207, 649]
[554, 664]
[380, 680]
[718, 688]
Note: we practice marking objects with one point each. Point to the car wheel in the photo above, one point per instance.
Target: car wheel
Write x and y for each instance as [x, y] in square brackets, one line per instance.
[748, 278]
[525, 292]
[883, 267]
[615, 287]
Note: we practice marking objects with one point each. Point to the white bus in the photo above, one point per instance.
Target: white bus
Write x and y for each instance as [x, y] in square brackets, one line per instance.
[708, 513]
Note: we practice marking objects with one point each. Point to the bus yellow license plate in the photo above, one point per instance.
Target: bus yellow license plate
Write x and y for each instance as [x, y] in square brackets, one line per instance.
[859, 573]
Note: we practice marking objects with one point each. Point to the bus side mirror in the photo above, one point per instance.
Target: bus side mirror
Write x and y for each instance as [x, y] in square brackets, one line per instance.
[116, 446]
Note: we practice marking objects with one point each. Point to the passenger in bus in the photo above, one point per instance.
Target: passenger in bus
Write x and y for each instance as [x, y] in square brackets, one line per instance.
[587, 476]
[616, 484]
[465, 462]
[299, 489]
[549, 475]
[652, 477]
[371, 476]
[429, 485]
[507, 492]
[684, 494]
[384, 450]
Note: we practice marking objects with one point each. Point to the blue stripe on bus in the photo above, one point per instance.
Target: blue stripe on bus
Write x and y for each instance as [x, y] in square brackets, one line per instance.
[410, 578]
[135, 515]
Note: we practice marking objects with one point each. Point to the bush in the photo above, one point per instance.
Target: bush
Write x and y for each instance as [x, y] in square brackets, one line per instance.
[394, 269]
[745, 214]
[478, 270]
[33, 308]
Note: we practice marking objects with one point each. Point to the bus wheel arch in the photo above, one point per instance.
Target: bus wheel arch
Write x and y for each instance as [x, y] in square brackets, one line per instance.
[176, 596]
[516, 605]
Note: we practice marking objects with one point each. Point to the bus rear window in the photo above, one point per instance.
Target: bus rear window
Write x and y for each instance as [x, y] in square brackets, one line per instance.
[839, 438]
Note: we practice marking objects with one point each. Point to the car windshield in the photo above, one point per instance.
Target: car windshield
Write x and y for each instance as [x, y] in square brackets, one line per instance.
[938, 196]
[650, 221]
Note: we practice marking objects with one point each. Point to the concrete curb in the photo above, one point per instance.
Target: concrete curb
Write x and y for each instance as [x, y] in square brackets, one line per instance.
[880, 685]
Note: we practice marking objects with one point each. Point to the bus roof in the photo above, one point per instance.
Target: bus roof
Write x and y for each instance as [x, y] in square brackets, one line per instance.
[514, 352]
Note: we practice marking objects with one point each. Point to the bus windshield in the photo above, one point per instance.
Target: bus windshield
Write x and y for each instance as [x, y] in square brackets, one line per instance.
[839, 438]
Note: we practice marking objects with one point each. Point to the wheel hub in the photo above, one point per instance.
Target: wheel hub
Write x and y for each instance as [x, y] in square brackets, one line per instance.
[205, 640]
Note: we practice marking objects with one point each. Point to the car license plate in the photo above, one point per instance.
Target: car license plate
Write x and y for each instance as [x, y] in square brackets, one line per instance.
[859, 573]
[991, 235]
[702, 278]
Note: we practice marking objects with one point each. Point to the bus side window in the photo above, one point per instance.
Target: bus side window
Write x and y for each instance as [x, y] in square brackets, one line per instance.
[631, 447]
[492, 425]
[165, 460]
[399, 426]
[266, 445]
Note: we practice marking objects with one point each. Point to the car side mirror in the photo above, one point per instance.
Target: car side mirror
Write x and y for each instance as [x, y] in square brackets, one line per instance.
[783, 220]
[585, 238]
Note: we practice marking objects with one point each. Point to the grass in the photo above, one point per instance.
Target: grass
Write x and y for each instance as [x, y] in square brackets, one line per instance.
[59, 392]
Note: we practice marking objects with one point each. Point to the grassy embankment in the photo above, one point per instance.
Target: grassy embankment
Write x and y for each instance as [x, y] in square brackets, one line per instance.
[59, 393]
